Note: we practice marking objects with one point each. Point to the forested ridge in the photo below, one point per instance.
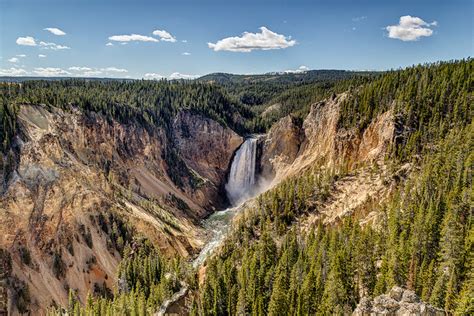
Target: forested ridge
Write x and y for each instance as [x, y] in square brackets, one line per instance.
[147, 103]
[269, 266]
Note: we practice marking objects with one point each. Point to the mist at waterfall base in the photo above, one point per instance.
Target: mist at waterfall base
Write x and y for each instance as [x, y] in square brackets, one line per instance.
[241, 186]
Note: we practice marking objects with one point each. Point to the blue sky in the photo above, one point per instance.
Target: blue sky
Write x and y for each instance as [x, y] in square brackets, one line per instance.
[282, 35]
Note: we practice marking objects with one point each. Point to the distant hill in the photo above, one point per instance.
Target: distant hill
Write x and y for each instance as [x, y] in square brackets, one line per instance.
[284, 77]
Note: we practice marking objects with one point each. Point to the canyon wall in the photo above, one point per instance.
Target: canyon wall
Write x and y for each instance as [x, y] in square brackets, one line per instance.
[83, 185]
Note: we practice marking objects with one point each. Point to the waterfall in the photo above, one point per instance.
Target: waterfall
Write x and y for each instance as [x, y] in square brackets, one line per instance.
[241, 180]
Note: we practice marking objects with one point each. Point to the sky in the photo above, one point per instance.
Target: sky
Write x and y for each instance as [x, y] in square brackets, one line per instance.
[185, 39]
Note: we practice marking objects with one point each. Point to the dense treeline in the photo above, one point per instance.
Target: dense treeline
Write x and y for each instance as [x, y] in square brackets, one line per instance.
[297, 100]
[8, 114]
[147, 103]
[425, 244]
[294, 92]
[146, 280]
[428, 100]
[270, 265]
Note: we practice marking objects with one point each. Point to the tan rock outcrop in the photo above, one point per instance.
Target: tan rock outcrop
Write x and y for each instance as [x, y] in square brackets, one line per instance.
[74, 167]
[280, 146]
[397, 302]
[321, 142]
[207, 148]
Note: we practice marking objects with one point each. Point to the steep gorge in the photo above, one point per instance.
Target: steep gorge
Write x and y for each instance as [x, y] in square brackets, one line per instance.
[75, 169]
[83, 185]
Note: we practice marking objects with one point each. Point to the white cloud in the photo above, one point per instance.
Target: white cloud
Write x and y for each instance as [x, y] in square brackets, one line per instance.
[132, 37]
[301, 69]
[173, 76]
[186, 54]
[12, 72]
[50, 72]
[114, 69]
[152, 76]
[21, 55]
[410, 28]
[41, 56]
[184, 41]
[77, 68]
[177, 75]
[265, 40]
[53, 46]
[90, 71]
[164, 36]
[13, 60]
[55, 31]
[26, 41]
[109, 44]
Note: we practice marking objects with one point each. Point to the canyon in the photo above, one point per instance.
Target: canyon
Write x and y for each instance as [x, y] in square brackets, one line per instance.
[198, 201]
[76, 168]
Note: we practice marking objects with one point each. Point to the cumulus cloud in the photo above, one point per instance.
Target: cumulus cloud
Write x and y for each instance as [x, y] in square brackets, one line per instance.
[152, 76]
[82, 71]
[55, 31]
[265, 40]
[301, 69]
[164, 36]
[14, 60]
[77, 68]
[114, 69]
[41, 56]
[173, 76]
[21, 55]
[186, 54]
[50, 72]
[177, 75]
[109, 44]
[13, 72]
[26, 41]
[410, 28]
[132, 37]
[52, 46]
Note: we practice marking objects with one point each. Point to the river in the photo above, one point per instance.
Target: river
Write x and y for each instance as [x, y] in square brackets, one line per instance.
[241, 186]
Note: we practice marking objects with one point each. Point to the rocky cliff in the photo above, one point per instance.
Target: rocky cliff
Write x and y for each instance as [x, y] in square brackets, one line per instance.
[397, 302]
[83, 186]
[207, 149]
[290, 148]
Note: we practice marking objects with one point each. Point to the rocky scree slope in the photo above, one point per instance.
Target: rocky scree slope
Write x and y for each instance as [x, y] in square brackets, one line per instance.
[291, 147]
[83, 186]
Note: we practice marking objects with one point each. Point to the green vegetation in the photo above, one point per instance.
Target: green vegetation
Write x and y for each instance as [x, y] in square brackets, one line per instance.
[151, 105]
[270, 263]
[427, 100]
[146, 279]
[268, 266]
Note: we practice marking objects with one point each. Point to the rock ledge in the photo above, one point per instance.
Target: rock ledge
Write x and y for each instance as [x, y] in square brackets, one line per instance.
[398, 301]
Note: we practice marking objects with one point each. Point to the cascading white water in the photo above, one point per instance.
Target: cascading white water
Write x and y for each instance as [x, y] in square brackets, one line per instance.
[241, 180]
[240, 187]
